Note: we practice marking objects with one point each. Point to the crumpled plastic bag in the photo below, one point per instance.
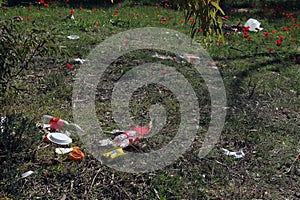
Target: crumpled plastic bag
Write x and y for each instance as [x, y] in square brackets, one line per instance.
[254, 25]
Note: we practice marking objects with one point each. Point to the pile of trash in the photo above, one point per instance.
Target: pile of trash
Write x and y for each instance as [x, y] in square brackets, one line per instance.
[59, 131]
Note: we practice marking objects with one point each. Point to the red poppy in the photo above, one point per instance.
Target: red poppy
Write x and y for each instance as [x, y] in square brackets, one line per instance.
[164, 72]
[29, 7]
[271, 50]
[72, 12]
[182, 20]
[287, 29]
[119, 4]
[200, 30]
[41, 2]
[46, 5]
[28, 17]
[116, 13]
[225, 17]
[293, 19]
[281, 37]
[249, 37]
[270, 36]
[192, 20]
[293, 40]
[219, 41]
[97, 24]
[158, 13]
[126, 42]
[59, 12]
[95, 9]
[279, 42]
[232, 10]
[163, 20]
[69, 66]
[157, 5]
[4, 8]
[166, 4]
[295, 58]
[169, 17]
[266, 33]
[273, 31]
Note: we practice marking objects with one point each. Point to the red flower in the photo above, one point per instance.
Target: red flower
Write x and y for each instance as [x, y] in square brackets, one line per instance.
[158, 13]
[200, 30]
[225, 17]
[232, 10]
[293, 19]
[287, 29]
[80, 8]
[249, 37]
[169, 17]
[281, 37]
[295, 58]
[299, 156]
[119, 4]
[29, 7]
[126, 42]
[293, 40]
[192, 20]
[28, 17]
[279, 42]
[95, 9]
[69, 66]
[46, 5]
[4, 8]
[219, 41]
[157, 5]
[97, 24]
[116, 13]
[270, 36]
[59, 12]
[41, 2]
[166, 4]
[182, 20]
[266, 33]
[164, 72]
[271, 50]
[72, 12]
[273, 31]
[163, 20]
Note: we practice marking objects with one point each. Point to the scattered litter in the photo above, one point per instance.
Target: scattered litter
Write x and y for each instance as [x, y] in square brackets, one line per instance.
[156, 55]
[73, 37]
[2, 121]
[63, 150]
[18, 19]
[24, 175]
[118, 151]
[59, 138]
[253, 24]
[76, 155]
[238, 154]
[79, 60]
[70, 17]
[56, 124]
[190, 58]
[125, 139]
[141, 130]
[105, 142]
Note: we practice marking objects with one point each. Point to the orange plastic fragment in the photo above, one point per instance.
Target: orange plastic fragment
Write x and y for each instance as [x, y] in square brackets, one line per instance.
[76, 154]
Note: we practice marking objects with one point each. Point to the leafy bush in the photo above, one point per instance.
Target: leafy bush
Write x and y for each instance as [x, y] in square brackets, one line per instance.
[203, 14]
[18, 47]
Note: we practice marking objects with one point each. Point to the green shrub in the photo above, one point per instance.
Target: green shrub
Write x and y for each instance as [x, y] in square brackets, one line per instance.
[18, 47]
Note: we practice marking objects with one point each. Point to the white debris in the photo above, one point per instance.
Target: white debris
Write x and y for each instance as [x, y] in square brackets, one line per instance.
[253, 24]
[238, 154]
[24, 175]
[79, 60]
[63, 150]
[105, 142]
[2, 121]
[73, 37]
